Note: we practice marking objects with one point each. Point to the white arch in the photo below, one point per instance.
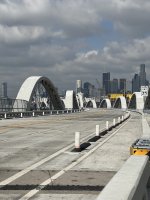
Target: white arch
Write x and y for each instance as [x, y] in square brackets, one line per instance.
[105, 103]
[27, 89]
[94, 103]
[147, 102]
[120, 103]
[70, 100]
[80, 99]
[90, 102]
[137, 101]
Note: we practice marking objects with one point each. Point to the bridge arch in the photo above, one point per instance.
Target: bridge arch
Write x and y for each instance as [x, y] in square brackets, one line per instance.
[105, 103]
[137, 101]
[80, 99]
[70, 100]
[32, 86]
[90, 103]
[120, 103]
[147, 102]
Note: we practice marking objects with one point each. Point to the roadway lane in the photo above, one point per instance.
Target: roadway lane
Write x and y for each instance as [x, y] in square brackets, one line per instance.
[25, 142]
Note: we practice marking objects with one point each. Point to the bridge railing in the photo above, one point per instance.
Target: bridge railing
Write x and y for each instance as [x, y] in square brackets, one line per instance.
[12, 105]
[35, 113]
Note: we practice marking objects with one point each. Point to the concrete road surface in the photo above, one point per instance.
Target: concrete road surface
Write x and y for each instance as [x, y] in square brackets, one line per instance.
[37, 153]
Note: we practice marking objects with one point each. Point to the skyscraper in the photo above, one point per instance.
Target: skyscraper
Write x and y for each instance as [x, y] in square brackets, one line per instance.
[122, 85]
[78, 86]
[114, 85]
[142, 75]
[136, 83]
[88, 89]
[106, 82]
[4, 90]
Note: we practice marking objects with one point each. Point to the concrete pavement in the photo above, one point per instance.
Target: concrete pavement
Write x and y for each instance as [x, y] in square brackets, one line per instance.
[24, 142]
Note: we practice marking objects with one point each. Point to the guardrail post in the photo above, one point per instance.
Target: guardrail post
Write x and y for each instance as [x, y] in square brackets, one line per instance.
[5, 115]
[97, 130]
[77, 140]
[43, 113]
[122, 118]
[119, 120]
[57, 112]
[107, 125]
[33, 114]
[21, 115]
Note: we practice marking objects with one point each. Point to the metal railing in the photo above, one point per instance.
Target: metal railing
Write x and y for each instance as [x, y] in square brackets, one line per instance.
[36, 113]
[13, 105]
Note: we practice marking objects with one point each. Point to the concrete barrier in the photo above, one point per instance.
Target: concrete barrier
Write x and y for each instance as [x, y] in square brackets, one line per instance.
[146, 128]
[130, 183]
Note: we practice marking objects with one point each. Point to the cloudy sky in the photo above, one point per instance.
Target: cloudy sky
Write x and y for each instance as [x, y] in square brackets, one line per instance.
[66, 40]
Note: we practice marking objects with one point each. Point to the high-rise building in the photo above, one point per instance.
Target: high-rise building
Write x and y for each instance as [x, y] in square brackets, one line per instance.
[142, 75]
[114, 85]
[106, 82]
[4, 90]
[136, 83]
[78, 86]
[88, 89]
[122, 85]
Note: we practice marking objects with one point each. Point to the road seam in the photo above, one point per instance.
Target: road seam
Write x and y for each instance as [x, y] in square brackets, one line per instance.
[61, 172]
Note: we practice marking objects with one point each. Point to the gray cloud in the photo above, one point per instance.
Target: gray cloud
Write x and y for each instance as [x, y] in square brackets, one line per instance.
[67, 40]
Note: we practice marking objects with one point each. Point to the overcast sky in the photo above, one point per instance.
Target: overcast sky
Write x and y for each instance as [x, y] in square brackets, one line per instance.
[66, 40]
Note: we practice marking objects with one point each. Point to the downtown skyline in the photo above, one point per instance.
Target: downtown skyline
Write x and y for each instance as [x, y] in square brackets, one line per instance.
[67, 40]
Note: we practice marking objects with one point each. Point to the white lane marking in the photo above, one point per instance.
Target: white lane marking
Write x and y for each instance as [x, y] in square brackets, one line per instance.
[28, 169]
[48, 181]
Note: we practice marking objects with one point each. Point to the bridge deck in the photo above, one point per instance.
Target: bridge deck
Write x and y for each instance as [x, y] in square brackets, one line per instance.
[35, 150]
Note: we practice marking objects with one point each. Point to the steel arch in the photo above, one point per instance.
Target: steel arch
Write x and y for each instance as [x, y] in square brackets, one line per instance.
[137, 101]
[147, 102]
[105, 103]
[120, 103]
[27, 89]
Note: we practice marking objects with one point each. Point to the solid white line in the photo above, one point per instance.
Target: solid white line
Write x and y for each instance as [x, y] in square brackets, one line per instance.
[28, 169]
[48, 181]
